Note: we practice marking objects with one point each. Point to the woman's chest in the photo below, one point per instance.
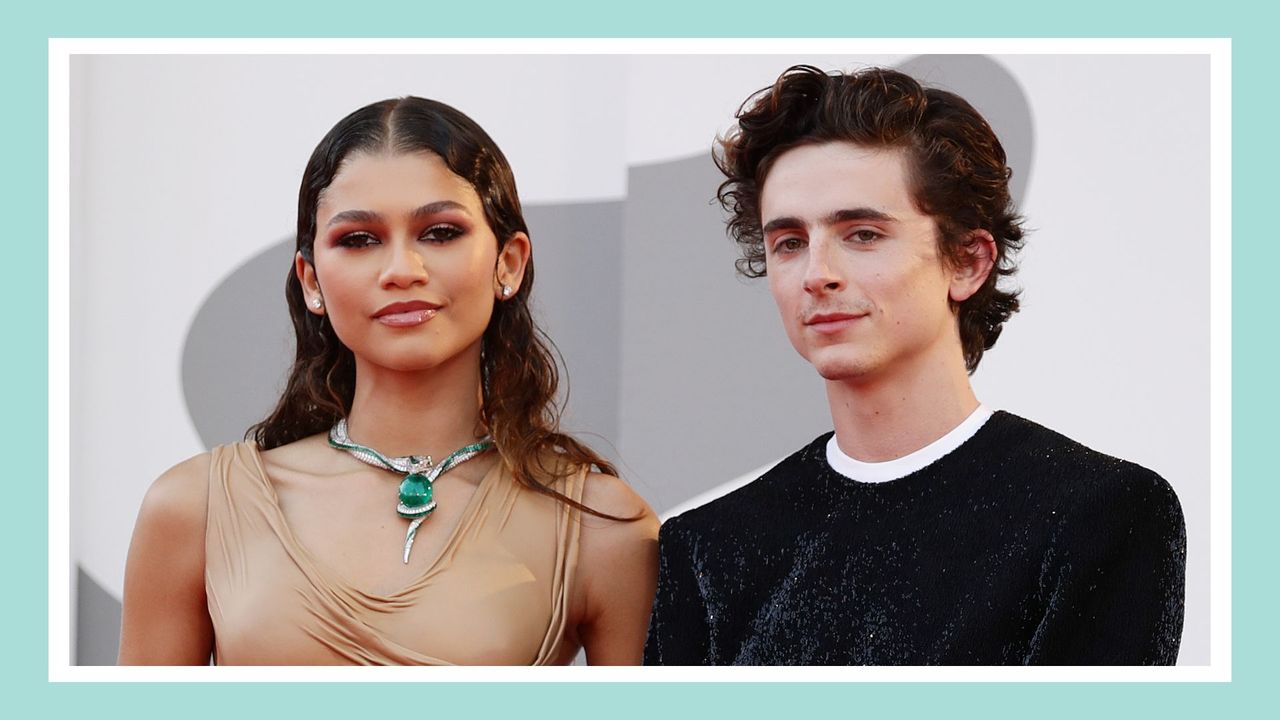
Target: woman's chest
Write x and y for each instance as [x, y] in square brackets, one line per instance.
[487, 603]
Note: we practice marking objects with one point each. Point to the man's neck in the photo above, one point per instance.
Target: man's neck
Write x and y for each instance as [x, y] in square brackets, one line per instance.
[890, 417]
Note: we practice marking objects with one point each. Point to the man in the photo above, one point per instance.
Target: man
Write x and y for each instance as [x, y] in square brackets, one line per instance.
[926, 529]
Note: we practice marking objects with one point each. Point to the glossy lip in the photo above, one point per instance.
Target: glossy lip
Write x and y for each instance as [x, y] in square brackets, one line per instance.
[830, 323]
[406, 314]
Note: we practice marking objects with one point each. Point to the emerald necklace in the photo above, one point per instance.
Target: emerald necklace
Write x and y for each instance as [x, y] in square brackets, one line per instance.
[420, 475]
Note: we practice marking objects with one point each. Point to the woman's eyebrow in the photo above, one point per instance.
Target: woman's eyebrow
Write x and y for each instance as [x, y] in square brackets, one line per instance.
[438, 207]
[355, 216]
[369, 216]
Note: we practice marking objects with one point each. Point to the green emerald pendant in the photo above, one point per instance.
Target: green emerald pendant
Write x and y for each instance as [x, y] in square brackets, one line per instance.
[415, 496]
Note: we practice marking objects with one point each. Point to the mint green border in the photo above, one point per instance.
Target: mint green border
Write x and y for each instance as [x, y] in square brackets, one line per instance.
[23, 294]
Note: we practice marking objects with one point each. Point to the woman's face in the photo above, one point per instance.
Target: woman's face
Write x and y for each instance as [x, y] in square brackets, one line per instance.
[405, 262]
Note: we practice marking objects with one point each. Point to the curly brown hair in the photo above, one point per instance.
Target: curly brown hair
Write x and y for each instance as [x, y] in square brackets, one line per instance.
[956, 167]
[518, 371]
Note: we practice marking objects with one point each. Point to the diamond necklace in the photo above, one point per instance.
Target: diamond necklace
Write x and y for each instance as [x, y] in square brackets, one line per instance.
[416, 489]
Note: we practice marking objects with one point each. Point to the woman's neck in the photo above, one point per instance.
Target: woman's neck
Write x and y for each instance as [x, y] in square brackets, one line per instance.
[429, 412]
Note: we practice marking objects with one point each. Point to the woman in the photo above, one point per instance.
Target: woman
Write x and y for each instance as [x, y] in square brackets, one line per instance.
[419, 377]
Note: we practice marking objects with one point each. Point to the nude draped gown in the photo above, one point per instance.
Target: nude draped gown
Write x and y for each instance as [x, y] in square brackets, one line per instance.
[498, 593]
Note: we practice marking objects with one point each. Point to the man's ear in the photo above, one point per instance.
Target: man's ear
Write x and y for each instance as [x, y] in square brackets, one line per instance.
[306, 273]
[975, 264]
[512, 259]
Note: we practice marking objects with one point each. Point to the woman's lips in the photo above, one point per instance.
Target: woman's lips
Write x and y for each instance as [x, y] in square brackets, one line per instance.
[407, 318]
[406, 314]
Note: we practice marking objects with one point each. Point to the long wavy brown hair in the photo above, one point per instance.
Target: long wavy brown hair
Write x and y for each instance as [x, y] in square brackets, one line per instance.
[518, 371]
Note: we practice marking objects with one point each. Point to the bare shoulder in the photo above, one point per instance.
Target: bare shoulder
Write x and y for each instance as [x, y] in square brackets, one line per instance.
[178, 499]
[165, 619]
[609, 547]
[618, 569]
[611, 495]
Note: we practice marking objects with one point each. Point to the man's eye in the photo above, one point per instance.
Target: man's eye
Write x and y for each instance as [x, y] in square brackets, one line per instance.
[441, 233]
[789, 245]
[357, 240]
[865, 237]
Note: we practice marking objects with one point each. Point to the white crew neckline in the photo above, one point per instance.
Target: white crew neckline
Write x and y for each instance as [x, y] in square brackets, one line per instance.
[878, 472]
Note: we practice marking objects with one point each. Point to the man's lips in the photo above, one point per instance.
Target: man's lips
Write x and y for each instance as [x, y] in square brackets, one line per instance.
[827, 323]
[406, 314]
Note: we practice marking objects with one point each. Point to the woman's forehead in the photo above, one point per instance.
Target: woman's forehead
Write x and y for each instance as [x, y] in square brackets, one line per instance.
[394, 180]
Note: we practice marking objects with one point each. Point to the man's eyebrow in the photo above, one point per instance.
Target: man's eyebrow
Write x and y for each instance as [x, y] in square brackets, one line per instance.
[855, 214]
[368, 216]
[834, 218]
[782, 222]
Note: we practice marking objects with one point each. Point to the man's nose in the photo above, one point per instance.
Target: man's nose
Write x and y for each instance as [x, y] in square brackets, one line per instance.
[821, 274]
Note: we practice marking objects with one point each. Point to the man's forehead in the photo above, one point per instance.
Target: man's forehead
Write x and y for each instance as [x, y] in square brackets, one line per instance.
[817, 182]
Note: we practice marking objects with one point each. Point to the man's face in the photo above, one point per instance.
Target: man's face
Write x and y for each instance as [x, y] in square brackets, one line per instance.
[853, 265]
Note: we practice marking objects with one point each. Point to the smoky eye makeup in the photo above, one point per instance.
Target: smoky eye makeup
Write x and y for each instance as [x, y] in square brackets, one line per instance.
[441, 232]
[355, 239]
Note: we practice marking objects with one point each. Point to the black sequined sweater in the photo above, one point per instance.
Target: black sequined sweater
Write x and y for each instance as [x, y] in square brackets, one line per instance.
[1021, 546]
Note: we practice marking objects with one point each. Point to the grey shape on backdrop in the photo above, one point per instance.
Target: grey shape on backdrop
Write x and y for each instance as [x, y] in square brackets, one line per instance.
[710, 386]
[578, 258]
[97, 622]
[995, 93]
[239, 348]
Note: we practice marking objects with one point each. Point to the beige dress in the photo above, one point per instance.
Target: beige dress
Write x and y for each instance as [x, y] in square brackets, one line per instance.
[498, 592]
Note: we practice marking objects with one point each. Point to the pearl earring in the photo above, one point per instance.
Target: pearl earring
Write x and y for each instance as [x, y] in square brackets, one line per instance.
[318, 302]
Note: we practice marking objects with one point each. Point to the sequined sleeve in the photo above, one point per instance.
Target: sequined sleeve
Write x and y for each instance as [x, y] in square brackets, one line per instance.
[1113, 578]
[678, 631]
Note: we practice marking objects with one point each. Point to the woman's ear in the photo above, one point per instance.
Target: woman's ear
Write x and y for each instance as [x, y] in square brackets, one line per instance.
[974, 265]
[306, 273]
[512, 259]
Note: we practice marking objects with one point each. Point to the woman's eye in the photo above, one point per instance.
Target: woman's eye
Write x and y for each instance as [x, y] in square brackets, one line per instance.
[357, 240]
[441, 233]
